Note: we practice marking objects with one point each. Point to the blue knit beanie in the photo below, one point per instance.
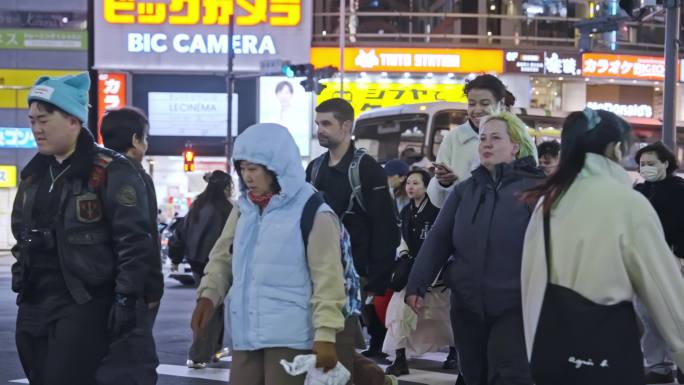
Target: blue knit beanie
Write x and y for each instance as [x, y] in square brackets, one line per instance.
[69, 93]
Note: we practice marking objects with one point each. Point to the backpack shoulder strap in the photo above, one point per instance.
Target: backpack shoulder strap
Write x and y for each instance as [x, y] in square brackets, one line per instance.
[315, 168]
[309, 214]
[355, 179]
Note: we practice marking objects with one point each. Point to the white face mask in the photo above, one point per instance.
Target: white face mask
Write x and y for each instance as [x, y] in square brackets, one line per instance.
[651, 173]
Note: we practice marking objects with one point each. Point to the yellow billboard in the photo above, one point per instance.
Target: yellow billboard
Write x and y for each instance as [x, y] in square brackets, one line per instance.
[367, 96]
[15, 85]
[8, 176]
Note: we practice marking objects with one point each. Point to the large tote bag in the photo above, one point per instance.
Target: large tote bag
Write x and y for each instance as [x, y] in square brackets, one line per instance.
[580, 342]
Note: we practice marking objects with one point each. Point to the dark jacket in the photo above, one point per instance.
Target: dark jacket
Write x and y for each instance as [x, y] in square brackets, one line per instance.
[416, 222]
[482, 224]
[154, 284]
[194, 239]
[666, 197]
[102, 228]
[374, 234]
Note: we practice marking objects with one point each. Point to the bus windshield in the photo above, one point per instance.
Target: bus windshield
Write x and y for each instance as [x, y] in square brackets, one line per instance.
[385, 137]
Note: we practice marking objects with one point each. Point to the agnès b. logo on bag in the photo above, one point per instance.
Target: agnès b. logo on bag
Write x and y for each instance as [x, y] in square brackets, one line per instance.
[589, 363]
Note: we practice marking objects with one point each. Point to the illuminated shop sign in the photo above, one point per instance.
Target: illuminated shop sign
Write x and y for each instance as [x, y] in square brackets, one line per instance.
[623, 66]
[193, 34]
[111, 91]
[19, 82]
[8, 176]
[278, 13]
[442, 60]
[543, 63]
[12, 137]
[626, 110]
[367, 96]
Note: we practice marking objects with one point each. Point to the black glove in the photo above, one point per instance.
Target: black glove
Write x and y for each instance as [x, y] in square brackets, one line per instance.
[122, 316]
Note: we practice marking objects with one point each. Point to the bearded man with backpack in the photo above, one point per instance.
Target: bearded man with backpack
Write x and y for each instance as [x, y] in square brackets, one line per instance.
[355, 187]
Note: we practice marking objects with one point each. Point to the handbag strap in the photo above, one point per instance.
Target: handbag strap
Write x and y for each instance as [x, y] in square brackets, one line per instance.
[547, 243]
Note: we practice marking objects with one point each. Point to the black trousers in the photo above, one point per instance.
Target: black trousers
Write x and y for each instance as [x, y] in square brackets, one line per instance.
[205, 345]
[132, 359]
[62, 347]
[491, 349]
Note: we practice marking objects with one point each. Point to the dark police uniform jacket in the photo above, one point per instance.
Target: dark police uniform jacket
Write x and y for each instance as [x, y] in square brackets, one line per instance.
[102, 228]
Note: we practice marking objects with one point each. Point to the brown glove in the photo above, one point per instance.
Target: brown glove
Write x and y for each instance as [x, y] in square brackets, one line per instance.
[203, 312]
[326, 355]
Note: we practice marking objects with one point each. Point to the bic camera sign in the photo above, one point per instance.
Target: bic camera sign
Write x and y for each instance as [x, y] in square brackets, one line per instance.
[193, 34]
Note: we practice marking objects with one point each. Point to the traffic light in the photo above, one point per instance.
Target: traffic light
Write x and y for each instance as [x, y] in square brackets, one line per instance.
[188, 160]
[312, 84]
[298, 70]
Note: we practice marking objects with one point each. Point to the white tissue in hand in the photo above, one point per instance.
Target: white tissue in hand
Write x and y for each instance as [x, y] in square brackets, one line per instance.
[339, 375]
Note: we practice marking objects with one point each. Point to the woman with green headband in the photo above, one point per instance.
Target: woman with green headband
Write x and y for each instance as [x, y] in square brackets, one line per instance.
[482, 225]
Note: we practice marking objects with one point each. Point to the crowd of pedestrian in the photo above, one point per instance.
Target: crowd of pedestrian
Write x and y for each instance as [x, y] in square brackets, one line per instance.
[525, 264]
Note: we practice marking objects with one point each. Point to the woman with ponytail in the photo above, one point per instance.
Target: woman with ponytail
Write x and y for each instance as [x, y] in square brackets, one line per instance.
[592, 245]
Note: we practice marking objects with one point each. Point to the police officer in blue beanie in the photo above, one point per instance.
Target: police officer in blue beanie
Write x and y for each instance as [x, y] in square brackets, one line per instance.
[83, 240]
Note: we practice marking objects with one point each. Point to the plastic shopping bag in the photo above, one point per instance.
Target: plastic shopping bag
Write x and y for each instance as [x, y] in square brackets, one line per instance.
[339, 375]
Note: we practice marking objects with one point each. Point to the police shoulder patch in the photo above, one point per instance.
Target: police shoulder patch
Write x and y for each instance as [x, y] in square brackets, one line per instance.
[126, 196]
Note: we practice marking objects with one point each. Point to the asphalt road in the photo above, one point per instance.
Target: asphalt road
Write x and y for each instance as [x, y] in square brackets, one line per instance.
[173, 336]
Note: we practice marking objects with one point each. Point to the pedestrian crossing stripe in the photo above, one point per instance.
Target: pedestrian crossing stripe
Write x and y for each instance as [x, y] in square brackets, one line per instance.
[216, 374]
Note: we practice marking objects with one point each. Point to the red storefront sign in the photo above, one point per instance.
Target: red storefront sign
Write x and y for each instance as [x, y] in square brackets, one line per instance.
[111, 94]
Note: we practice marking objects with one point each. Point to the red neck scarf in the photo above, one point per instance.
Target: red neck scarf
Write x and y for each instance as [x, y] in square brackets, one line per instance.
[260, 200]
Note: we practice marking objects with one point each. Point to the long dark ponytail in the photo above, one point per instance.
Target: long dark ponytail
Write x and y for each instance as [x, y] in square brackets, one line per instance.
[579, 137]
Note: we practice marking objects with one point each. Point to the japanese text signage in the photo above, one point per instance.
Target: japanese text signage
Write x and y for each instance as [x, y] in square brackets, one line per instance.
[111, 92]
[367, 96]
[410, 59]
[8, 176]
[543, 63]
[206, 12]
[623, 66]
[11, 137]
[43, 39]
[193, 34]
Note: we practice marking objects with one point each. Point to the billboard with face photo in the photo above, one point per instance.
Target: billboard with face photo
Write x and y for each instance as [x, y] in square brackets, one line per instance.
[283, 100]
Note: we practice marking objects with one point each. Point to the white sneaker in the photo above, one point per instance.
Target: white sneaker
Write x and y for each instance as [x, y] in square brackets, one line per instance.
[225, 352]
[195, 365]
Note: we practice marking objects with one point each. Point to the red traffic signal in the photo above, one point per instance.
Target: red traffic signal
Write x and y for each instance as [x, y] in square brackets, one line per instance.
[188, 160]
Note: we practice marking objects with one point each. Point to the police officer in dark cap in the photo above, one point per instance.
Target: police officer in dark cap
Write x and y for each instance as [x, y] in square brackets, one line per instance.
[134, 360]
[83, 232]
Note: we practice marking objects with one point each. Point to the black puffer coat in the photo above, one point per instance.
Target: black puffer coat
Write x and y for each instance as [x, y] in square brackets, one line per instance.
[666, 197]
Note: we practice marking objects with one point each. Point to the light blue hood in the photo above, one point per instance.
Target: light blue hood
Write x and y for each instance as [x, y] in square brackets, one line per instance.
[270, 300]
[271, 145]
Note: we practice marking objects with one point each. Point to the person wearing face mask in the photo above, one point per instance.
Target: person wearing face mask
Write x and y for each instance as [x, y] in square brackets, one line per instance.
[481, 228]
[593, 245]
[457, 156]
[664, 190]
